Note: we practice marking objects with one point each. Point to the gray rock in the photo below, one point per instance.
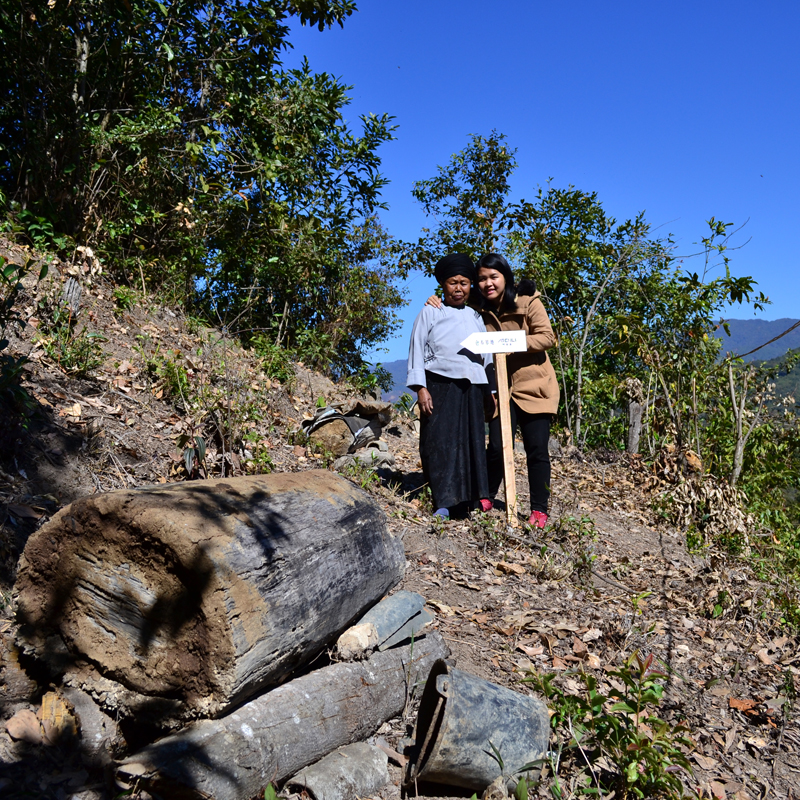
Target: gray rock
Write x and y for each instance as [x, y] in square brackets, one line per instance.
[100, 735]
[358, 770]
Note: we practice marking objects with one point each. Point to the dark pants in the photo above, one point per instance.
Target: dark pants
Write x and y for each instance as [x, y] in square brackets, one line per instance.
[535, 430]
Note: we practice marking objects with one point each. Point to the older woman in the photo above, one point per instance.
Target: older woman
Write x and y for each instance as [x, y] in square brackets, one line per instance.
[452, 390]
[533, 383]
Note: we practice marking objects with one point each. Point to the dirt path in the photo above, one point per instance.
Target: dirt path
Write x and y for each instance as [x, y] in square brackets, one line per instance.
[608, 578]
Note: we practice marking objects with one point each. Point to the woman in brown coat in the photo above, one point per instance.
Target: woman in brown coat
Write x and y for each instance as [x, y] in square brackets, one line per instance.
[532, 379]
[533, 385]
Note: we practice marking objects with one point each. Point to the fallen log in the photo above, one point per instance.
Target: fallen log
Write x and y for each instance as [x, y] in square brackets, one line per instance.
[277, 734]
[181, 601]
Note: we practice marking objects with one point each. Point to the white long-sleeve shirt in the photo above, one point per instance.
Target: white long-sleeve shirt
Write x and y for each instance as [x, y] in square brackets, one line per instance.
[436, 345]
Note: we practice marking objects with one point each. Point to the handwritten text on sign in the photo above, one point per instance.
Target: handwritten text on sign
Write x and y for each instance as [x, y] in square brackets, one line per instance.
[500, 342]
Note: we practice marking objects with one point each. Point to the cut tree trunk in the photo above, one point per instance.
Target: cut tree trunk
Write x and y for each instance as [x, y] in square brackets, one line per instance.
[275, 735]
[180, 601]
[634, 426]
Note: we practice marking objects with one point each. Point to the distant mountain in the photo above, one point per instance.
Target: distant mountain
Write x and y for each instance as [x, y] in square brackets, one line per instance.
[397, 369]
[747, 334]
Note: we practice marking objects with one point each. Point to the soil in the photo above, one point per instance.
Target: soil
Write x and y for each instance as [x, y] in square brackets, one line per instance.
[607, 579]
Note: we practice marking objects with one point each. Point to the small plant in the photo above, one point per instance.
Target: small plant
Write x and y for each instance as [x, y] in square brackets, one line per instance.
[261, 461]
[175, 379]
[276, 361]
[77, 352]
[579, 534]
[363, 474]
[486, 526]
[405, 405]
[192, 449]
[171, 376]
[124, 298]
[38, 230]
[521, 790]
[368, 382]
[616, 741]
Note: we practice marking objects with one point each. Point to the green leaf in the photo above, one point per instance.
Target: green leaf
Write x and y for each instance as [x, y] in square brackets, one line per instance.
[188, 459]
[163, 9]
[270, 793]
[521, 790]
[626, 707]
[168, 50]
[201, 448]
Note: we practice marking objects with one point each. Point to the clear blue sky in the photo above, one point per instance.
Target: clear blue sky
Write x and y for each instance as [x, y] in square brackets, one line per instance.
[685, 110]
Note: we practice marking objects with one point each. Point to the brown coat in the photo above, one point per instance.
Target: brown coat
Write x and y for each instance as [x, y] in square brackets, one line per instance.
[534, 386]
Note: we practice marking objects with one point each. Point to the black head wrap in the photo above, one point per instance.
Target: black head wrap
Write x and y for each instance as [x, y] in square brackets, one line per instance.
[454, 264]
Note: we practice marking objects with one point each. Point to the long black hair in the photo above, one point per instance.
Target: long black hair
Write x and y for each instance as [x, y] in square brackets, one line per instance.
[497, 262]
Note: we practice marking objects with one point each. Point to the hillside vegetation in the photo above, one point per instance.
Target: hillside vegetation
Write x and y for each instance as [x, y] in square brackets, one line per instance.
[132, 393]
[193, 259]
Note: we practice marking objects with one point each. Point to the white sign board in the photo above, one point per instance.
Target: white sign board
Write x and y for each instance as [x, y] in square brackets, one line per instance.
[500, 342]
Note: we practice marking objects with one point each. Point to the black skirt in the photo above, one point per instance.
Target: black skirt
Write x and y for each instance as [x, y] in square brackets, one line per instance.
[452, 442]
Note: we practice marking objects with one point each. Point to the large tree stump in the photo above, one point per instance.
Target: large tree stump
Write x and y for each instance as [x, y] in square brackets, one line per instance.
[275, 735]
[180, 601]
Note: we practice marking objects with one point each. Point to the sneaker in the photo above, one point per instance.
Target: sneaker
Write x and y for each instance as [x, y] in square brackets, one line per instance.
[538, 519]
[485, 504]
[442, 512]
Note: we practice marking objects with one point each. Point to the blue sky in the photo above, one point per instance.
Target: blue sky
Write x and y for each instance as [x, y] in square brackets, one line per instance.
[684, 110]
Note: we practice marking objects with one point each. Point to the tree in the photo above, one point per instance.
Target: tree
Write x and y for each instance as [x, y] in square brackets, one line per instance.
[168, 137]
[589, 269]
[468, 202]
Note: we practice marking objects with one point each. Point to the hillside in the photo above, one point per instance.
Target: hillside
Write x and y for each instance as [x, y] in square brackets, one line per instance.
[398, 370]
[747, 334]
[609, 578]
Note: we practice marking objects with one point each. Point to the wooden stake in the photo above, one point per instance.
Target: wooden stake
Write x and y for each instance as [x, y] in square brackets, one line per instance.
[506, 437]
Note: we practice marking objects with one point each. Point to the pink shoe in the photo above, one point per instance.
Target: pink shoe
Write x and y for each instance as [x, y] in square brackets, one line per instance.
[538, 519]
[486, 504]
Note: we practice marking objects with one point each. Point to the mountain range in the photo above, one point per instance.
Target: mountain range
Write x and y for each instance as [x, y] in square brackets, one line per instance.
[745, 335]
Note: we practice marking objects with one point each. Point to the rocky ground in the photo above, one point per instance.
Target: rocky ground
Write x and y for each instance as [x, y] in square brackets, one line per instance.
[607, 579]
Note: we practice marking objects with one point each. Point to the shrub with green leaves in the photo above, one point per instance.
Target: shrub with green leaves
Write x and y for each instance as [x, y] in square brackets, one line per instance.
[77, 352]
[616, 741]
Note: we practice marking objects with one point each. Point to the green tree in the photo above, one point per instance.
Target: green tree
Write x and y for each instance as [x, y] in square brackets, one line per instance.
[168, 137]
[590, 269]
[468, 203]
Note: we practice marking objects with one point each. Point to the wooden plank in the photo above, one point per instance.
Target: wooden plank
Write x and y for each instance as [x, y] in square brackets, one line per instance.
[275, 735]
[506, 436]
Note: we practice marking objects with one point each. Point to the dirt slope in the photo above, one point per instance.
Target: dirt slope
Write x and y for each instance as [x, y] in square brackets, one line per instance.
[606, 579]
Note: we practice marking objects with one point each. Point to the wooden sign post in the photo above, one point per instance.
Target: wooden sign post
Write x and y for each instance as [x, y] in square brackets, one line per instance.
[501, 344]
[506, 437]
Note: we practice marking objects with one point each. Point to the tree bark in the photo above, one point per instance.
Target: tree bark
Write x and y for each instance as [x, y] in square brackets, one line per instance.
[634, 426]
[279, 733]
[181, 601]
